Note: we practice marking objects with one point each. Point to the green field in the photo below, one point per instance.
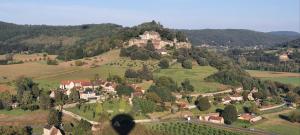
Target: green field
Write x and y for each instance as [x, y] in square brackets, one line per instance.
[284, 77]
[195, 75]
[287, 80]
[275, 124]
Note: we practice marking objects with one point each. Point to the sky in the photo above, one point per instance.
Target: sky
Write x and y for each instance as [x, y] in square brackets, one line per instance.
[259, 15]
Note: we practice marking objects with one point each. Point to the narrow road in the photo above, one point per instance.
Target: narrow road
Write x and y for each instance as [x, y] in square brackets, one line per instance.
[273, 107]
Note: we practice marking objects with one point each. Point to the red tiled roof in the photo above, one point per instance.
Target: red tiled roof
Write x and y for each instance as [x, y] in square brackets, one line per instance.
[214, 118]
[246, 116]
[67, 82]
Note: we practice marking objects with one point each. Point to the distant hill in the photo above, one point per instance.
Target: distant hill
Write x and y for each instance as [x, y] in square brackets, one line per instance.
[285, 33]
[235, 37]
[75, 42]
[290, 44]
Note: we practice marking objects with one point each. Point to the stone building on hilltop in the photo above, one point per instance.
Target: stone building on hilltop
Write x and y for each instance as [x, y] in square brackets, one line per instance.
[156, 40]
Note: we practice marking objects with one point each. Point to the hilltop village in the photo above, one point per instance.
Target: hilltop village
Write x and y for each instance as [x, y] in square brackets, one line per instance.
[156, 77]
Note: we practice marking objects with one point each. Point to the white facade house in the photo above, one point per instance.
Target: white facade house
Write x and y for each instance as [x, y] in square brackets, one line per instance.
[51, 130]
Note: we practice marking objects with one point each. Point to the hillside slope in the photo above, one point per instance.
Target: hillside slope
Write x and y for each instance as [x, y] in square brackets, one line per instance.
[234, 37]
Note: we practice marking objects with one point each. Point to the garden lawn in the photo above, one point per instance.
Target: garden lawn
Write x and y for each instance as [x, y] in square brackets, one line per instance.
[195, 75]
[110, 107]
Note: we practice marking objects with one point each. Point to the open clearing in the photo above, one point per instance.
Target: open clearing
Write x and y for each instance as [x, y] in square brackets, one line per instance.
[277, 125]
[195, 75]
[284, 77]
[36, 119]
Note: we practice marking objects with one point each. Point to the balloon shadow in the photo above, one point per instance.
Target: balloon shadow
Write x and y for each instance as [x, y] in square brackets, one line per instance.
[122, 124]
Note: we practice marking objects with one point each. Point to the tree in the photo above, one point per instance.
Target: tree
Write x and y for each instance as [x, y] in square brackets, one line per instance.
[23, 85]
[202, 103]
[292, 97]
[164, 63]
[74, 95]
[45, 101]
[124, 90]
[150, 46]
[229, 114]
[153, 97]
[27, 98]
[186, 86]
[202, 61]
[251, 107]
[187, 64]
[130, 73]
[59, 98]
[55, 117]
[83, 128]
[145, 73]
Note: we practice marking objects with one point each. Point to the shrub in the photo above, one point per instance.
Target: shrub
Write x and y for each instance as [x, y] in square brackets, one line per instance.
[52, 62]
[79, 63]
[187, 64]
[202, 103]
[164, 63]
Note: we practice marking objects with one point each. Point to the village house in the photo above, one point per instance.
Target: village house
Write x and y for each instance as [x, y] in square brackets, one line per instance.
[162, 51]
[156, 40]
[109, 87]
[88, 95]
[77, 84]
[236, 97]
[239, 89]
[249, 117]
[250, 95]
[51, 130]
[283, 57]
[226, 100]
[213, 118]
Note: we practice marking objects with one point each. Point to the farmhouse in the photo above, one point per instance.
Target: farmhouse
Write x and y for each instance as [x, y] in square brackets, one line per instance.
[249, 117]
[236, 97]
[87, 95]
[226, 100]
[51, 130]
[109, 87]
[70, 84]
[213, 118]
[283, 57]
[156, 40]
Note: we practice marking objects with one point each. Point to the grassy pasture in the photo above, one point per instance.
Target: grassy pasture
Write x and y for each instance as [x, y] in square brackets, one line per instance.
[275, 124]
[195, 75]
[284, 77]
[27, 57]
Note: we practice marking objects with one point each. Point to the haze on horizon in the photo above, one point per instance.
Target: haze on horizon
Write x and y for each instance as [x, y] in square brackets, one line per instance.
[259, 15]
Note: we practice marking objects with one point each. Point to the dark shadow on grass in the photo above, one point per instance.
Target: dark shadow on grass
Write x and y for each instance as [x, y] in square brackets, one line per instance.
[123, 124]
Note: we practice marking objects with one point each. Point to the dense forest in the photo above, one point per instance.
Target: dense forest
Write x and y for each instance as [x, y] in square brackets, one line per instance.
[236, 37]
[74, 42]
